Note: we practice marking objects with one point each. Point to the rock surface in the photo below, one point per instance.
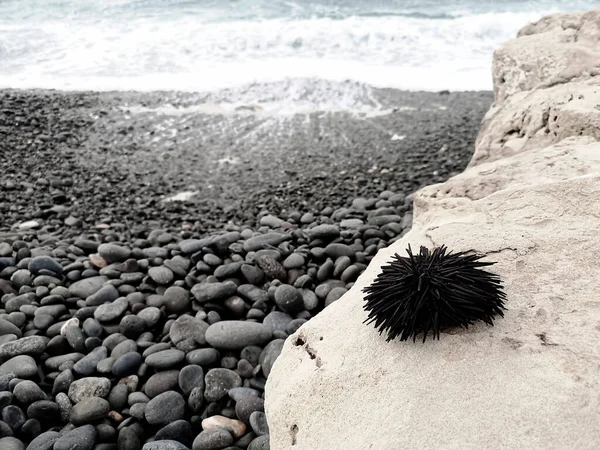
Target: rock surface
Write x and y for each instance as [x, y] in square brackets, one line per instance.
[531, 381]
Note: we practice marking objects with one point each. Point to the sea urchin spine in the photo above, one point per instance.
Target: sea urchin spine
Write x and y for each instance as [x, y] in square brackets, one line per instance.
[432, 291]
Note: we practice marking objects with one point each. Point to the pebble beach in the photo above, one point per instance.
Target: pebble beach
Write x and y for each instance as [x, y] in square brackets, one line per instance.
[156, 252]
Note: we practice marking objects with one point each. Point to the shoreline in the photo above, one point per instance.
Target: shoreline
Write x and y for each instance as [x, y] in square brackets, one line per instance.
[121, 165]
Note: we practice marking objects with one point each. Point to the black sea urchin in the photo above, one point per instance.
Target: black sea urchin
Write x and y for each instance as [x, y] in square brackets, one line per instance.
[432, 291]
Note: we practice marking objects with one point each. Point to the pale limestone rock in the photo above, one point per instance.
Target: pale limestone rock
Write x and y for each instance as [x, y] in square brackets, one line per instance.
[531, 381]
[236, 427]
[538, 118]
[569, 158]
[560, 49]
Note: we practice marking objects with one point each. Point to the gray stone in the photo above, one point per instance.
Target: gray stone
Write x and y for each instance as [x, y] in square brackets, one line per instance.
[277, 320]
[324, 231]
[82, 438]
[294, 261]
[191, 377]
[105, 294]
[211, 292]
[235, 335]
[44, 263]
[265, 240]
[336, 250]
[7, 327]
[176, 300]
[161, 274]
[28, 392]
[11, 443]
[227, 270]
[247, 405]
[203, 356]
[111, 311]
[113, 253]
[165, 444]
[258, 422]
[30, 345]
[218, 382]
[89, 410]
[194, 245]
[44, 441]
[240, 392]
[21, 366]
[289, 299]
[212, 439]
[165, 408]
[382, 220]
[126, 365]
[188, 327]
[165, 359]
[260, 443]
[150, 316]
[87, 365]
[334, 295]
[89, 387]
[86, 287]
[253, 274]
[270, 354]
[161, 382]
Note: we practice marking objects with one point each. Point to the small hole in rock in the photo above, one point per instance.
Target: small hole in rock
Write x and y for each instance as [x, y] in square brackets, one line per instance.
[299, 342]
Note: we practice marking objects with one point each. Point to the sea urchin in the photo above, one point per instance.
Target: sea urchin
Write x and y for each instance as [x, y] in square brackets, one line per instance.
[432, 291]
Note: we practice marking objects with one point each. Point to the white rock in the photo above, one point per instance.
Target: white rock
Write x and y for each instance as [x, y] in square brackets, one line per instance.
[29, 225]
[72, 322]
[236, 427]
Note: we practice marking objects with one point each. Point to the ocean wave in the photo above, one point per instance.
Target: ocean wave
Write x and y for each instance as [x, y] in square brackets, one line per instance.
[406, 49]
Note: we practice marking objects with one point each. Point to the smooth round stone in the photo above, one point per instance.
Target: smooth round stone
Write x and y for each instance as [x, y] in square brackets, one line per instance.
[240, 392]
[289, 299]
[113, 253]
[44, 441]
[44, 411]
[64, 406]
[264, 241]
[86, 287]
[11, 443]
[111, 311]
[128, 439]
[191, 377]
[337, 250]
[247, 405]
[310, 299]
[252, 274]
[235, 335]
[132, 326]
[87, 365]
[294, 325]
[89, 387]
[63, 381]
[165, 408]
[188, 327]
[258, 422]
[150, 316]
[124, 347]
[179, 431]
[203, 356]
[260, 443]
[13, 416]
[165, 359]
[138, 410]
[106, 294]
[127, 364]
[270, 353]
[294, 261]
[161, 382]
[82, 438]
[44, 263]
[227, 270]
[218, 382]
[21, 366]
[324, 231]
[277, 320]
[164, 445]
[212, 292]
[29, 345]
[7, 327]
[176, 300]
[28, 392]
[89, 410]
[161, 274]
[334, 295]
[214, 439]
